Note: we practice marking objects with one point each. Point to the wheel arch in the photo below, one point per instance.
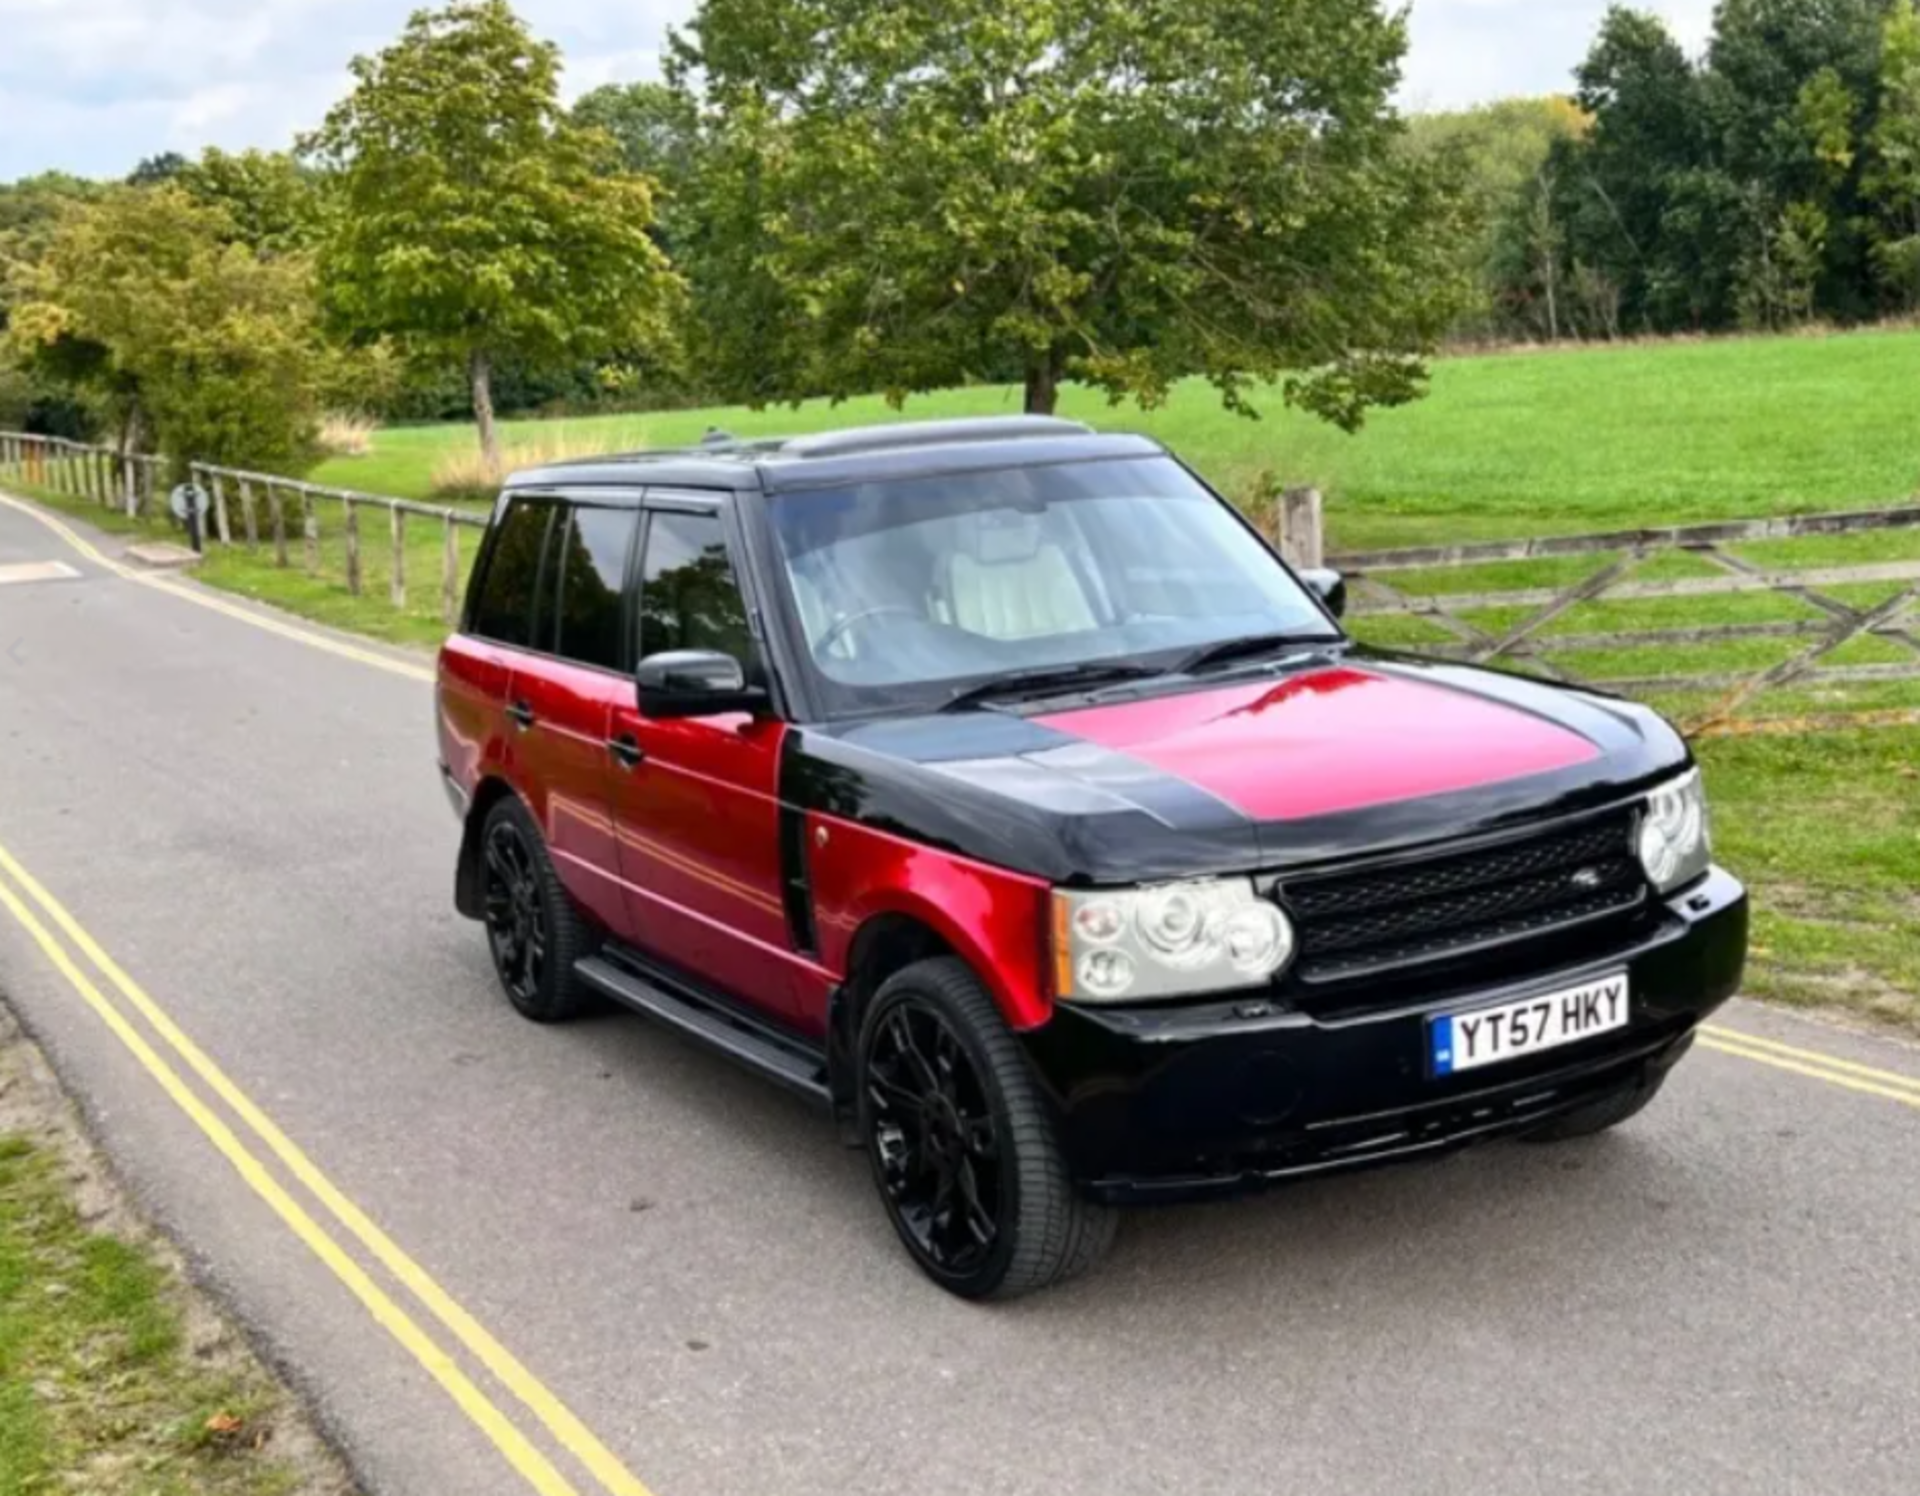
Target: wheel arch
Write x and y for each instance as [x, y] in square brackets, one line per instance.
[468, 894]
[885, 943]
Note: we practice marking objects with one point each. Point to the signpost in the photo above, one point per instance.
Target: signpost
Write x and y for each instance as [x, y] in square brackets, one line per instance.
[190, 503]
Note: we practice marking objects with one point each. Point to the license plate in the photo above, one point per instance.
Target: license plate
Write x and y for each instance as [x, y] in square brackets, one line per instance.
[1486, 1036]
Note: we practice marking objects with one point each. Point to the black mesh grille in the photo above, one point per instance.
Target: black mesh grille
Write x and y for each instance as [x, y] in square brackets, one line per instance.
[1353, 924]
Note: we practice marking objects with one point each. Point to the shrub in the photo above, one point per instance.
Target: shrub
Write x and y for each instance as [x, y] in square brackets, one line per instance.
[464, 476]
[344, 434]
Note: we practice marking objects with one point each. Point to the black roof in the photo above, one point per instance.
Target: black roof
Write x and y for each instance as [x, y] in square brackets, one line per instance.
[857, 454]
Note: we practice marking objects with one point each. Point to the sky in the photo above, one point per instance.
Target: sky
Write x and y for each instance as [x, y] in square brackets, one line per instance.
[93, 86]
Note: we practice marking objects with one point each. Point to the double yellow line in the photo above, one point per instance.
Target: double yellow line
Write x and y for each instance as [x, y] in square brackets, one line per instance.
[1888, 1085]
[79, 958]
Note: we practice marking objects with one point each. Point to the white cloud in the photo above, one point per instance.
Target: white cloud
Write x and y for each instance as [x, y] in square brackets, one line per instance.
[93, 86]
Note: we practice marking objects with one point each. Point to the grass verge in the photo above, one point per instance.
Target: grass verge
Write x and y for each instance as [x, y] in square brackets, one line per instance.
[320, 595]
[1826, 830]
[115, 1380]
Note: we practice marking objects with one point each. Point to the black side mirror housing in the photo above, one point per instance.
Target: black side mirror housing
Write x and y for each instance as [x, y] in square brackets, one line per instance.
[1330, 587]
[696, 683]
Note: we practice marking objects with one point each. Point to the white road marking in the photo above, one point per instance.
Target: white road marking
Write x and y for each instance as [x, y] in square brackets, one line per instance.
[36, 571]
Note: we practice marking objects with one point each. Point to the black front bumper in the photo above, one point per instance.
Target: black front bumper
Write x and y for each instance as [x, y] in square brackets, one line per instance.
[1170, 1103]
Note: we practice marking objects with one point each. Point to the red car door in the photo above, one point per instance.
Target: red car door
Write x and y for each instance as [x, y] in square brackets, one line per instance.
[563, 694]
[697, 815]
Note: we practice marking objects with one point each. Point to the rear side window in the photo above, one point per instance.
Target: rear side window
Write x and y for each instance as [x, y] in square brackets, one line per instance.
[589, 585]
[689, 598]
[503, 605]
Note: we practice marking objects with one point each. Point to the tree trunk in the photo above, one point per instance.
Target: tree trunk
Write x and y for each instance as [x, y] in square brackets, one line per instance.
[480, 372]
[1043, 385]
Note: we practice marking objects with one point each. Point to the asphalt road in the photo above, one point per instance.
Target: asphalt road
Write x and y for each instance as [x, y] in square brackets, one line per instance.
[672, 1270]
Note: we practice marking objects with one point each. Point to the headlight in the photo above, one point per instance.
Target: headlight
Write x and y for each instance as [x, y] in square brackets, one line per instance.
[1172, 940]
[1674, 843]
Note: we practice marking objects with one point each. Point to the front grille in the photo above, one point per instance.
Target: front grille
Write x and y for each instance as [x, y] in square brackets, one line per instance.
[1368, 921]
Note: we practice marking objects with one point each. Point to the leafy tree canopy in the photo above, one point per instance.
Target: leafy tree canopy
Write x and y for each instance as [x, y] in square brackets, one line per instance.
[169, 316]
[471, 219]
[272, 201]
[1123, 192]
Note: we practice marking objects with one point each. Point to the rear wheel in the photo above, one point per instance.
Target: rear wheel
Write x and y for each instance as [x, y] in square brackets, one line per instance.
[1598, 1116]
[533, 930]
[962, 1148]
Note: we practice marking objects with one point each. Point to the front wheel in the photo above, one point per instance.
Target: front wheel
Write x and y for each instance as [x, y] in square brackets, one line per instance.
[961, 1145]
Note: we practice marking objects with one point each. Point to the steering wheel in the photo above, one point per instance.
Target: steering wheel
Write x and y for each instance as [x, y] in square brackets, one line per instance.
[840, 629]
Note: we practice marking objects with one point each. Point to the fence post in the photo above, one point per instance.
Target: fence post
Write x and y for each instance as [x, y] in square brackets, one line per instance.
[450, 574]
[351, 519]
[311, 524]
[220, 524]
[279, 518]
[103, 474]
[249, 521]
[1299, 521]
[397, 531]
[149, 482]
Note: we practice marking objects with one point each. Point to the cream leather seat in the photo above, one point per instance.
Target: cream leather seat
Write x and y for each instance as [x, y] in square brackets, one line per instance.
[1010, 583]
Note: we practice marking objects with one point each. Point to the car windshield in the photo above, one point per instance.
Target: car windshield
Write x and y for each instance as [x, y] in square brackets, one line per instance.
[909, 591]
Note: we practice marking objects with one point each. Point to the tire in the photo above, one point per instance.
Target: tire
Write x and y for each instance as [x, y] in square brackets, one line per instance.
[533, 931]
[962, 1148]
[1598, 1116]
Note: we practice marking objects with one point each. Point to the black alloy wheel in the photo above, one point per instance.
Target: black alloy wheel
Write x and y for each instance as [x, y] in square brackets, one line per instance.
[961, 1143]
[533, 930]
[516, 923]
[933, 1132]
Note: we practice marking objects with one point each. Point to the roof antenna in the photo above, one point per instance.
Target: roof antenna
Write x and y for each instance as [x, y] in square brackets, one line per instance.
[715, 437]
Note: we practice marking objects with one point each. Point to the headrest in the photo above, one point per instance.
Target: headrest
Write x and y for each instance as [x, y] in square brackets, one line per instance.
[1001, 537]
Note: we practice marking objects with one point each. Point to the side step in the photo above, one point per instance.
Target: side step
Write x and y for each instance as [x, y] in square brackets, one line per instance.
[758, 1046]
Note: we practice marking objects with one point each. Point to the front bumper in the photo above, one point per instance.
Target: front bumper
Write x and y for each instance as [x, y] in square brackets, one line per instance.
[1176, 1102]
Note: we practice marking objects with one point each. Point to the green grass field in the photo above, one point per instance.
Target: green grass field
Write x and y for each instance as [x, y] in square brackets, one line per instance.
[100, 1391]
[1506, 445]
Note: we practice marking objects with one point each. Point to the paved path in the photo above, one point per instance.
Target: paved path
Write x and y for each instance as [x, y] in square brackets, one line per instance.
[502, 1258]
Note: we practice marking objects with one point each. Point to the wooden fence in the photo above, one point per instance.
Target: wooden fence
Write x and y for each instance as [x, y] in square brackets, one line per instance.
[264, 512]
[1527, 644]
[254, 510]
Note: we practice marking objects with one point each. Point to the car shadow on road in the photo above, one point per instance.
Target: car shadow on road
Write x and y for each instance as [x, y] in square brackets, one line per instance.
[1468, 1225]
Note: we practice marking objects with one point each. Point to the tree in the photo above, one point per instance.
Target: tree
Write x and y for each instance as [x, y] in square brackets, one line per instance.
[1500, 152]
[1892, 181]
[650, 124]
[1618, 186]
[195, 332]
[903, 198]
[272, 201]
[153, 170]
[471, 220]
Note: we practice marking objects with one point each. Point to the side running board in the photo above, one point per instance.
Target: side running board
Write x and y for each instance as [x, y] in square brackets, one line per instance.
[758, 1046]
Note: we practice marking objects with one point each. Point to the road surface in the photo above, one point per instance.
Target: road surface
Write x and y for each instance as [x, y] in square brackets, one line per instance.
[500, 1258]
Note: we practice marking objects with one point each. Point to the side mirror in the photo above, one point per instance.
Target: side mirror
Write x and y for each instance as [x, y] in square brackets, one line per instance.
[1330, 587]
[695, 683]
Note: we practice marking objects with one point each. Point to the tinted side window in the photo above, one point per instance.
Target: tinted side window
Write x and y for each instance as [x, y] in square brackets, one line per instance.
[503, 606]
[689, 598]
[591, 585]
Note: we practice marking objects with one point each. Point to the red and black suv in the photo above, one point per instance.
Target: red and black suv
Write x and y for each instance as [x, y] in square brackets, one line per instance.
[997, 785]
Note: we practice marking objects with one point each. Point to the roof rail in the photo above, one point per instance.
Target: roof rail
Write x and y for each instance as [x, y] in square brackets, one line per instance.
[930, 434]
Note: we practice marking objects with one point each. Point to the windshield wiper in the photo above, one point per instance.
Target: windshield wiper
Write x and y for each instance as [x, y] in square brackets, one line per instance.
[1046, 679]
[1229, 650]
